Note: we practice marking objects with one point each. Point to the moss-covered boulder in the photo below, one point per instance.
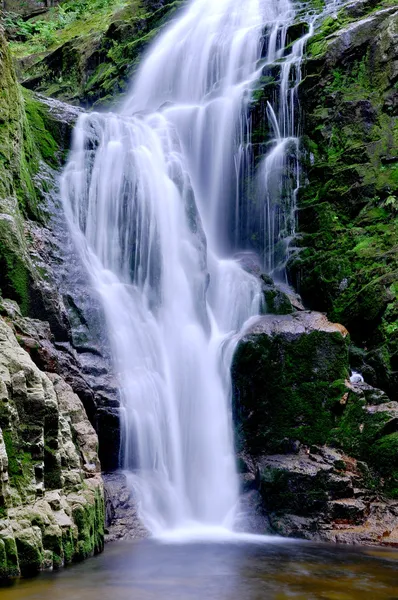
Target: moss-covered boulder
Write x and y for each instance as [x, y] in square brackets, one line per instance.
[321, 451]
[288, 373]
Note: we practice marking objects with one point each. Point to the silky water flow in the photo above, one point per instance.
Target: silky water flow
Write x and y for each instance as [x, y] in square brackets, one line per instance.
[152, 197]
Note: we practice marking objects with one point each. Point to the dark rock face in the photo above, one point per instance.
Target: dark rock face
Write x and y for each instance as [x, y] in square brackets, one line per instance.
[122, 521]
[323, 494]
[347, 262]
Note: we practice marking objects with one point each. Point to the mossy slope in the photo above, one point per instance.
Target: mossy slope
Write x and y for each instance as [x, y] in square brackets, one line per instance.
[84, 52]
[30, 146]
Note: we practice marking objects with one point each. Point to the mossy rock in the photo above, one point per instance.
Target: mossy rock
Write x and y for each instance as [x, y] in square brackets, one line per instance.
[287, 377]
[384, 455]
[89, 58]
[30, 551]
[347, 262]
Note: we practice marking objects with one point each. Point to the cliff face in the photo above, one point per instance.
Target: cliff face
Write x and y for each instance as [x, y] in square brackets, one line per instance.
[322, 452]
[51, 493]
[348, 206]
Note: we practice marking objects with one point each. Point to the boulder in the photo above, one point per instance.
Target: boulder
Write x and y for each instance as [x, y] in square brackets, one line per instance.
[322, 494]
[288, 371]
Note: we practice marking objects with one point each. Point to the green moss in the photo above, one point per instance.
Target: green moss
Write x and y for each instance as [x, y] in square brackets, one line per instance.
[298, 493]
[68, 546]
[276, 302]
[20, 464]
[52, 540]
[384, 455]
[37, 116]
[14, 272]
[94, 49]
[286, 388]
[30, 554]
[3, 561]
[357, 429]
[89, 519]
[347, 212]
[10, 546]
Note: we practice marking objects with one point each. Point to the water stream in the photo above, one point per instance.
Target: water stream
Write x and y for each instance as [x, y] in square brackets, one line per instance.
[152, 194]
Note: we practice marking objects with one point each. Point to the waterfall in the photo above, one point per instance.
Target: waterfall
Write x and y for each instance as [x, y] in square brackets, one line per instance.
[279, 175]
[152, 196]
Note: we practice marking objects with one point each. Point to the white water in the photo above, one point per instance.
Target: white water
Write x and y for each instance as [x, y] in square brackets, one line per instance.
[279, 172]
[151, 194]
[279, 175]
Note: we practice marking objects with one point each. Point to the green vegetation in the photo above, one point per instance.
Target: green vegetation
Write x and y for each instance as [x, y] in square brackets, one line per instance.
[60, 24]
[84, 52]
[20, 464]
[384, 454]
[348, 263]
[288, 386]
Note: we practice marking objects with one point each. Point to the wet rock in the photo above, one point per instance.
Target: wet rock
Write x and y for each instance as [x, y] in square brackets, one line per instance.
[122, 520]
[51, 491]
[296, 31]
[349, 156]
[306, 496]
[287, 372]
[277, 302]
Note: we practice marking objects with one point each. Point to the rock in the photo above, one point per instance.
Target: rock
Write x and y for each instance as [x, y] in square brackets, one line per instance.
[122, 520]
[287, 373]
[78, 66]
[51, 491]
[292, 402]
[347, 207]
[296, 31]
[52, 309]
[279, 298]
[305, 496]
[277, 302]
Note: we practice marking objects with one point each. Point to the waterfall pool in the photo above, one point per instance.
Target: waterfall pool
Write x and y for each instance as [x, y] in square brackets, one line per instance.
[269, 568]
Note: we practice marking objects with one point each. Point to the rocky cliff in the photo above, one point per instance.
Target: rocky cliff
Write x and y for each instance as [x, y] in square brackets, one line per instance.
[51, 498]
[51, 492]
[321, 451]
[85, 51]
[348, 205]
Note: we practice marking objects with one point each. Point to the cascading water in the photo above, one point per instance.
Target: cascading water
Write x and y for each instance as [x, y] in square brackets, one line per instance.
[152, 196]
[279, 175]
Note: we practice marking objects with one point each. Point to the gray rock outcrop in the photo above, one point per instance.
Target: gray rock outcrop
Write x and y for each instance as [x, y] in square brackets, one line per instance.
[51, 490]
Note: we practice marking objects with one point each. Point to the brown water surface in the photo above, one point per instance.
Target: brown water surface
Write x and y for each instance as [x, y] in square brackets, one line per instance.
[149, 570]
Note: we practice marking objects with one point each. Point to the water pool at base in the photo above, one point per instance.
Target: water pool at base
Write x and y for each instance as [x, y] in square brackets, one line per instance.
[149, 570]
